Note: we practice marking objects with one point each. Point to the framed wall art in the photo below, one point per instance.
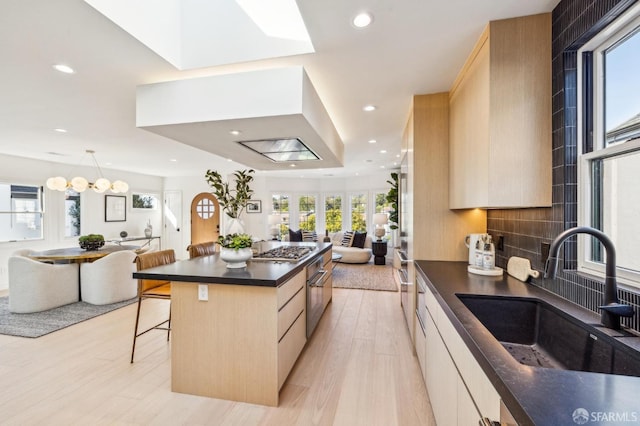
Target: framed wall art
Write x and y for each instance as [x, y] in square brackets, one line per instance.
[115, 208]
[254, 206]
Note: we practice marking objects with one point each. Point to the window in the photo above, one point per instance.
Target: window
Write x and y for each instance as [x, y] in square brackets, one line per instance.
[333, 213]
[307, 212]
[280, 205]
[359, 212]
[71, 213]
[610, 157]
[382, 206]
[144, 201]
[20, 212]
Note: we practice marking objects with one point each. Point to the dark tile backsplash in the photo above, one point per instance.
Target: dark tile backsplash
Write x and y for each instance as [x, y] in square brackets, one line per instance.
[524, 230]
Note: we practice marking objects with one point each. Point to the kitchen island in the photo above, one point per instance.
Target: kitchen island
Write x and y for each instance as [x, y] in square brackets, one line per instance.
[236, 333]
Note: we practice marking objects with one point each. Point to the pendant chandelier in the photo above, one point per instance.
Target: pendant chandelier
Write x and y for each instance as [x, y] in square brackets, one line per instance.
[80, 184]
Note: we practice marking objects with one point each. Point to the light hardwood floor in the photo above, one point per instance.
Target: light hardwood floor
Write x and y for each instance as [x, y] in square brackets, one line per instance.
[357, 369]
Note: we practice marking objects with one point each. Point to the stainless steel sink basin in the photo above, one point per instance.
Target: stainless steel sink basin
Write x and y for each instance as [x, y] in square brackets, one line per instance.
[540, 335]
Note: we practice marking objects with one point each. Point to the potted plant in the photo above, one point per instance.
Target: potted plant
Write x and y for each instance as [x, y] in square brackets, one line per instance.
[236, 249]
[91, 241]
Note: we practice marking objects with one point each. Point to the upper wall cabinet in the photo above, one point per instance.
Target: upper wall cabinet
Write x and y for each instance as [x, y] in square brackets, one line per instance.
[500, 118]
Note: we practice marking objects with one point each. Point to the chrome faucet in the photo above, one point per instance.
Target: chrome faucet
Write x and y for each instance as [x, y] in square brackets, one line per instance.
[612, 309]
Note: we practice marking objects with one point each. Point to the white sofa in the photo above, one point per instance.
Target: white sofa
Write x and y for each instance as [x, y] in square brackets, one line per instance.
[351, 254]
[36, 286]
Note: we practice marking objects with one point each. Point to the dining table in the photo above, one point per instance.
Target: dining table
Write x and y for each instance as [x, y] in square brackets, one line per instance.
[79, 255]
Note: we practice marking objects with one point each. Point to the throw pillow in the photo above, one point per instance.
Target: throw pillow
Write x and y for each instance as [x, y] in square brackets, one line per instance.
[309, 236]
[295, 236]
[347, 238]
[359, 239]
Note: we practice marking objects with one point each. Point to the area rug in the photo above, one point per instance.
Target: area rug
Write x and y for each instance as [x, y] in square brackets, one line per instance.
[40, 323]
[364, 276]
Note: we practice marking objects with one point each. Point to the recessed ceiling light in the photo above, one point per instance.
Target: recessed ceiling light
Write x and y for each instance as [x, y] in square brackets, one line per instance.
[382, 167]
[235, 132]
[383, 151]
[173, 160]
[64, 68]
[397, 155]
[362, 20]
[61, 130]
[229, 160]
[372, 141]
[369, 108]
[293, 165]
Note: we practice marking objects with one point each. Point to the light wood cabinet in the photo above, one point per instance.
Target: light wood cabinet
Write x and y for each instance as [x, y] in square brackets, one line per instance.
[434, 232]
[500, 128]
[241, 343]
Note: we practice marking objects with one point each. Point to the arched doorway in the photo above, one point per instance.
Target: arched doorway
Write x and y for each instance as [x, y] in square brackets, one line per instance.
[205, 218]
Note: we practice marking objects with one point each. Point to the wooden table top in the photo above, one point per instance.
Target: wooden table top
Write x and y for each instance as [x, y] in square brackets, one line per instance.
[76, 254]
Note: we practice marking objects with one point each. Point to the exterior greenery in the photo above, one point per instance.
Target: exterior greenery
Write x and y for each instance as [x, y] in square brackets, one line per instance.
[232, 201]
[142, 201]
[74, 214]
[392, 198]
[235, 241]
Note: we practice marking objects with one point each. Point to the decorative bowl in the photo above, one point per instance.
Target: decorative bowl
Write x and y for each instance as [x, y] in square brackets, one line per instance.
[91, 245]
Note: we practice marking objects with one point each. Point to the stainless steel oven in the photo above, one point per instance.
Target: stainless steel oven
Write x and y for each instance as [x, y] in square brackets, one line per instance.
[316, 279]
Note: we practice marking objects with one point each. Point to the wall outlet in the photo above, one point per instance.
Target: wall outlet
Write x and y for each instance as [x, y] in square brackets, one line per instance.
[203, 292]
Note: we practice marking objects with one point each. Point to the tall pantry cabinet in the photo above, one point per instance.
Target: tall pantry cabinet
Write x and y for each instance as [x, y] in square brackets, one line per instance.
[434, 232]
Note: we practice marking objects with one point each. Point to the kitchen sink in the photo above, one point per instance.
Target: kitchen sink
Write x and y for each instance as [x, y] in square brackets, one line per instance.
[538, 334]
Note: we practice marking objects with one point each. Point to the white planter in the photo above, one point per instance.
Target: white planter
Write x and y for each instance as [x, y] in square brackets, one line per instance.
[236, 258]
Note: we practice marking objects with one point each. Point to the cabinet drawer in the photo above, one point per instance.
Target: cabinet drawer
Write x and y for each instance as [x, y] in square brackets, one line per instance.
[290, 312]
[290, 347]
[287, 290]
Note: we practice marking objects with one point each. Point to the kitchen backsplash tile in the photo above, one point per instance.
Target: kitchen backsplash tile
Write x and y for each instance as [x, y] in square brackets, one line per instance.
[524, 230]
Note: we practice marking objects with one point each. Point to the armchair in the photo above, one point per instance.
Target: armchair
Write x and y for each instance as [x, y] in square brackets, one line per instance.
[109, 279]
[35, 286]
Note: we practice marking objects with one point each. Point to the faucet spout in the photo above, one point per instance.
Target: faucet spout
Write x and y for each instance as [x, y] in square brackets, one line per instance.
[612, 309]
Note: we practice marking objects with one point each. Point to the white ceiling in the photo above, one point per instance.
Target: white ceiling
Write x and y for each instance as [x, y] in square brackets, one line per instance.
[412, 47]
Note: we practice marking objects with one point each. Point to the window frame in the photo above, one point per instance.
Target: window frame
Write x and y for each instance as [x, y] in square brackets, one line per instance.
[591, 104]
[40, 209]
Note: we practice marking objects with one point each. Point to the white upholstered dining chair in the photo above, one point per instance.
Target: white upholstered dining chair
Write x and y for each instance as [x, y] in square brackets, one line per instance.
[109, 279]
[36, 286]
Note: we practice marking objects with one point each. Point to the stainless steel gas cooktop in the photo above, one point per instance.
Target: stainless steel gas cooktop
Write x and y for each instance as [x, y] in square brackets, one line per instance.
[284, 254]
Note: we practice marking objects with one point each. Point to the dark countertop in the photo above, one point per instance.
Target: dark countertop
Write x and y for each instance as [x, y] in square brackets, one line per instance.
[534, 396]
[212, 269]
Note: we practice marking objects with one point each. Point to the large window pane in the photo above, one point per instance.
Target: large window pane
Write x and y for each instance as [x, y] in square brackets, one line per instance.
[619, 208]
[280, 205]
[72, 213]
[333, 212]
[359, 212]
[307, 212]
[622, 90]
